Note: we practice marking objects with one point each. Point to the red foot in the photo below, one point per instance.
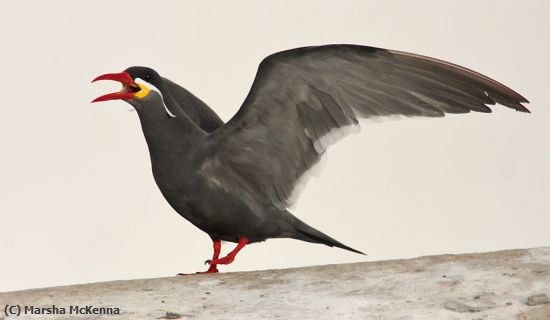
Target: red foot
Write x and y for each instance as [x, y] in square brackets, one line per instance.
[230, 257]
[217, 248]
[225, 260]
[215, 257]
[212, 269]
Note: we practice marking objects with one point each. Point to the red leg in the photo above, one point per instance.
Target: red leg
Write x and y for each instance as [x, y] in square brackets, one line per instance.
[216, 255]
[243, 241]
[212, 268]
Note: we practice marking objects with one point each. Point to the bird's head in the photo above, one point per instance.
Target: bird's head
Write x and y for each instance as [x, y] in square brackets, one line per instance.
[146, 74]
[131, 90]
[137, 94]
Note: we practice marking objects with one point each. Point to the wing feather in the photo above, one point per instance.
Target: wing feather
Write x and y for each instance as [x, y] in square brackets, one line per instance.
[303, 100]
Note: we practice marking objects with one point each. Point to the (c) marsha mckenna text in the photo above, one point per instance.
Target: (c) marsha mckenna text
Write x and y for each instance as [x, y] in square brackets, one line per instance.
[59, 310]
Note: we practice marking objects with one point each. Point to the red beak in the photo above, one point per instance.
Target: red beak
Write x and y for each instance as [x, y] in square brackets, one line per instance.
[129, 87]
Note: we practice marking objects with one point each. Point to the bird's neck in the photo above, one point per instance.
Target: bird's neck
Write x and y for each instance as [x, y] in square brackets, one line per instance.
[171, 105]
[195, 108]
[165, 134]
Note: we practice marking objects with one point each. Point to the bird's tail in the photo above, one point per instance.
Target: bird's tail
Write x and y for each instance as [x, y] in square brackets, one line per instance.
[307, 233]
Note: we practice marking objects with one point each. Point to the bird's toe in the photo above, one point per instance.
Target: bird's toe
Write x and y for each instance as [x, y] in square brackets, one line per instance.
[224, 260]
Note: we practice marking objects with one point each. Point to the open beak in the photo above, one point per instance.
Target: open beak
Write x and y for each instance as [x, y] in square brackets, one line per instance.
[129, 87]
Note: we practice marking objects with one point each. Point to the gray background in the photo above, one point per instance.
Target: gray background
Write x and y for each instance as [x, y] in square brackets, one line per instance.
[78, 201]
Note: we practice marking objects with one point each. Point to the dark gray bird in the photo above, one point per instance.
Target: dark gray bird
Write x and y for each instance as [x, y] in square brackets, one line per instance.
[236, 181]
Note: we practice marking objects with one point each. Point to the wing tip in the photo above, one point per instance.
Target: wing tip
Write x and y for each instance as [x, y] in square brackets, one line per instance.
[518, 106]
[523, 109]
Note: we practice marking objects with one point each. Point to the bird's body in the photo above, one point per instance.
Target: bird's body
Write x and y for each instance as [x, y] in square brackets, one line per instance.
[195, 184]
[235, 181]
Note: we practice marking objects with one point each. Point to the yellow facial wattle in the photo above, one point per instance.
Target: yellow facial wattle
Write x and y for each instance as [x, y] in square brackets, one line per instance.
[143, 92]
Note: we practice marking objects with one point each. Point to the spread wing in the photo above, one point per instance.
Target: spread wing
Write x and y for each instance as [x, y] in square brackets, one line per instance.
[305, 99]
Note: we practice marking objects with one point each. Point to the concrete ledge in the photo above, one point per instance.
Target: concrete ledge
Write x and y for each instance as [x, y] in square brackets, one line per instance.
[494, 285]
